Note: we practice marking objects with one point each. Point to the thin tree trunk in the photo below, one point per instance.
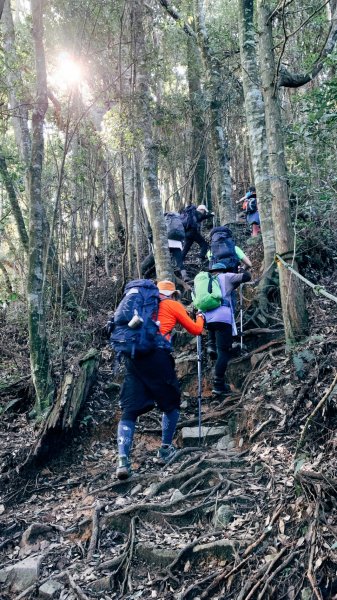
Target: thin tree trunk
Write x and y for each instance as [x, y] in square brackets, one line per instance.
[9, 288]
[39, 355]
[220, 144]
[16, 210]
[113, 202]
[197, 120]
[17, 101]
[292, 296]
[160, 244]
[255, 117]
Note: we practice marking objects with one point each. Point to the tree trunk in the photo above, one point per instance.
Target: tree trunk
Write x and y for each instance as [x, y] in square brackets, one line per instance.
[16, 210]
[39, 355]
[17, 102]
[292, 296]
[160, 244]
[197, 103]
[255, 117]
[227, 212]
[113, 202]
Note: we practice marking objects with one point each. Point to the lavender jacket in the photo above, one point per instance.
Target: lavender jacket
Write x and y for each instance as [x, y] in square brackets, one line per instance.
[225, 314]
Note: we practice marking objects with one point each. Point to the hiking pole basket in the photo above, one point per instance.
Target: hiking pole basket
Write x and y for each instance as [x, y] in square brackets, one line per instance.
[199, 358]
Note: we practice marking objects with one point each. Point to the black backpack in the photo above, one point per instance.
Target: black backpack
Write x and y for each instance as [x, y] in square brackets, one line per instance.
[223, 248]
[251, 206]
[175, 227]
[135, 329]
[189, 217]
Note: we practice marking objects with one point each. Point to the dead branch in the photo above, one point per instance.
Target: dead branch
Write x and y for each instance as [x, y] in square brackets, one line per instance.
[330, 391]
[282, 566]
[260, 428]
[76, 588]
[310, 571]
[95, 531]
[246, 555]
[269, 569]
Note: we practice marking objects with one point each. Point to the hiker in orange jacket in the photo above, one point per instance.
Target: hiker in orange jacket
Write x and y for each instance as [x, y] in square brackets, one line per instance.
[151, 381]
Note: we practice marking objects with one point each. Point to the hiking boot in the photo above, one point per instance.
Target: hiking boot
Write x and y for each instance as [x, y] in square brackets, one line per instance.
[123, 470]
[220, 389]
[166, 453]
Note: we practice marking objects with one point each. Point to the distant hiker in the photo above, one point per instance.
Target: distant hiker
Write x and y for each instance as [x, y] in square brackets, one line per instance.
[223, 249]
[192, 218]
[176, 237]
[151, 380]
[221, 321]
[251, 210]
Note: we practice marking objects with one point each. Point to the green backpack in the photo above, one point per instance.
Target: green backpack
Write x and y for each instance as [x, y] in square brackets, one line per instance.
[207, 292]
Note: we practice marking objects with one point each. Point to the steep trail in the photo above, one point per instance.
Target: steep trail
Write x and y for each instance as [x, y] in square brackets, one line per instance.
[240, 517]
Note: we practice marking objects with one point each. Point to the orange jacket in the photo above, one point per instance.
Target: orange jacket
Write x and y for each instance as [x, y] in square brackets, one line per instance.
[172, 312]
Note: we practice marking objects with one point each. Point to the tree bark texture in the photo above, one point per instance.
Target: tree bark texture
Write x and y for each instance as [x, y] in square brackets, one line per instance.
[17, 101]
[256, 125]
[113, 201]
[39, 356]
[15, 207]
[199, 134]
[292, 295]
[164, 268]
[227, 212]
[71, 397]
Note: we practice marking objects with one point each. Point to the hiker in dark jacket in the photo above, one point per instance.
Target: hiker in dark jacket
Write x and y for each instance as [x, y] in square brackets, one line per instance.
[251, 209]
[221, 322]
[193, 232]
[151, 380]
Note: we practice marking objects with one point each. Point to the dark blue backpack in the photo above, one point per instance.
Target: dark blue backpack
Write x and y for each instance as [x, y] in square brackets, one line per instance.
[251, 205]
[189, 217]
[135, 328]
[223, 248]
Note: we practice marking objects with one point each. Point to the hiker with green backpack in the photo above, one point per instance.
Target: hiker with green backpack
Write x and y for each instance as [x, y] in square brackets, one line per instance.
[212, 296]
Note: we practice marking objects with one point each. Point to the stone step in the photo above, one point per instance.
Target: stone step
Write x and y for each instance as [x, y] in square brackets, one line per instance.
[209, 435]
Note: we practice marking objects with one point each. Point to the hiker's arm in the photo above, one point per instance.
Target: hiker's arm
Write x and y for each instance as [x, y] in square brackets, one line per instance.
[193, 327]
[242, 257]
[237, 278]
[246, 261]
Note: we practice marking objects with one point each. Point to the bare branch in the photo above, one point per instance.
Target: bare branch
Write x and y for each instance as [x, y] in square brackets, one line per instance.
[295, 80]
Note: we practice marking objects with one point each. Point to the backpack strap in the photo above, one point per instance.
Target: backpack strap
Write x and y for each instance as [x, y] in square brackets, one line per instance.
[210, 283]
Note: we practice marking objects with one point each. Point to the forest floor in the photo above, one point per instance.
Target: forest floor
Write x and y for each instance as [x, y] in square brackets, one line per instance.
[250, 513]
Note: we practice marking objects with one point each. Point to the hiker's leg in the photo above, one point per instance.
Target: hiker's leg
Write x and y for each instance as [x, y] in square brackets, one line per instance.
[176, 255]
[169, 424]
[223, 338]
[167, 390]
[148, 265]
[135, 400]
[202, 243]
[255, 230]
[125, 433]
[211, 345]
[187, 245]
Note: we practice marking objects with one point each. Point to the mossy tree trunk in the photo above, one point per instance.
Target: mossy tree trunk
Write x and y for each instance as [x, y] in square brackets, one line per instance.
[38, 344]
[227, 211]
[151, 148]
[291, 289]
[256, 125]
[199, 132]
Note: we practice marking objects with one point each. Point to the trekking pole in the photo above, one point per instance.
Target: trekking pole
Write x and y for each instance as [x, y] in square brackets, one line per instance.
[199, 357]
[241, 317]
